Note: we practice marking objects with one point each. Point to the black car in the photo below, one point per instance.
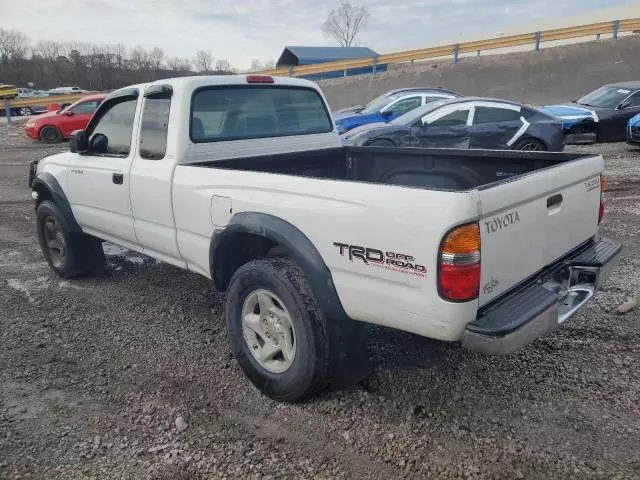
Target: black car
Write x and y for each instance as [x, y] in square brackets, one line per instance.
[601, 115]
[466, 122]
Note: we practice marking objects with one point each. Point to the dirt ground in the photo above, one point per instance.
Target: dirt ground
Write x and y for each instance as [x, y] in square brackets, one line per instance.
[95, 372]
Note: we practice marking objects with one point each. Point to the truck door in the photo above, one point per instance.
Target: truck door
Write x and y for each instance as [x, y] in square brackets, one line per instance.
[99, 179]
[151, 177]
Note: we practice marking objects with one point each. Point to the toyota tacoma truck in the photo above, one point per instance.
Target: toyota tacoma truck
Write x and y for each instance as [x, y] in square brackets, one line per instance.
[244, 180]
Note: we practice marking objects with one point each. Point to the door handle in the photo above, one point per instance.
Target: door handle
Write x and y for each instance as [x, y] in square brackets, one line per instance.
[118, 178]
[554, 200]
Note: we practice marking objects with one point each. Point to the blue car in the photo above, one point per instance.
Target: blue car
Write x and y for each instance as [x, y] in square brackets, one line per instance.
[388, 106]
[633, 130]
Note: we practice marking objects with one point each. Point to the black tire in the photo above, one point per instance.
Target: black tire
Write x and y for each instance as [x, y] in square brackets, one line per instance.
[382, 142]
[310, 369]
[75, 254]
[530, 144]
[50, 134]
[25, 111]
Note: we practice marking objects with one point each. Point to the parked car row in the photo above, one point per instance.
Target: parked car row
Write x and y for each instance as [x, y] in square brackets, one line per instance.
[440, 118]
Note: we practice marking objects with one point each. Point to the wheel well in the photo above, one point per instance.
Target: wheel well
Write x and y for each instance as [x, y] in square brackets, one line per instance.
[237, 249]
[381, 140]
[43, 194]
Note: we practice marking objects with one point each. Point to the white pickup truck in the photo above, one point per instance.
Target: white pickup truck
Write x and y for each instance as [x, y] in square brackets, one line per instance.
[244, 179]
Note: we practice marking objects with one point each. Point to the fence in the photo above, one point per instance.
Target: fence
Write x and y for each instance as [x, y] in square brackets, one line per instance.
[455, 50]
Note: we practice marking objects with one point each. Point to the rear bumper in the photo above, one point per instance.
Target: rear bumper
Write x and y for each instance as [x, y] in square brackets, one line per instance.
[543, 303]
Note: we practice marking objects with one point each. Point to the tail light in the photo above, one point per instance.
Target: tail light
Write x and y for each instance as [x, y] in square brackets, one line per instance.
[603, 186]
[259, 79]
[459, 264]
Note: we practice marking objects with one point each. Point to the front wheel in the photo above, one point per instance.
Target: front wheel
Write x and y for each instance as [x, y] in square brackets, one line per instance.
[279, 335]
[68, 254]
[25, 111]
[50, 134]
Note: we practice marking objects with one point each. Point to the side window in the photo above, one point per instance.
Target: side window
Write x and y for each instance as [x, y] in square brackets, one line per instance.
[111, 134]
[85, 107]
[457, 117]
[405, 105]
[494, 115]
[635, 100]
[431, 98]
[154, 128]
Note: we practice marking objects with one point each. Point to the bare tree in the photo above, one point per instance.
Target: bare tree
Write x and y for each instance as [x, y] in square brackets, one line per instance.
[139, 58]
[223, 66]
[178, 64]
[269, 64]
[256, 65]
[203, 61]
[156, 56]
[13, 45]
[49, 49]
[344, 23]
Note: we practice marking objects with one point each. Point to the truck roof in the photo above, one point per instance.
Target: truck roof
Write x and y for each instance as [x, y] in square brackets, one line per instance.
[195, 81]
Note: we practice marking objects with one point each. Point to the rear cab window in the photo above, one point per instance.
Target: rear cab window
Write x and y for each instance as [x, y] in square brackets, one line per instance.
[222, 113]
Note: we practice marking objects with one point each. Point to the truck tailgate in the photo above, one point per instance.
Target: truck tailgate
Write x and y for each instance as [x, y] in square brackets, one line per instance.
[528, 223]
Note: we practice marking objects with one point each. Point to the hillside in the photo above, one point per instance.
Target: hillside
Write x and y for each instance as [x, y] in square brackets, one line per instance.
[552, 75]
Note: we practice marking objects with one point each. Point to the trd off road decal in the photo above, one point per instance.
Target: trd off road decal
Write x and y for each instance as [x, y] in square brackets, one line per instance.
[398, 262]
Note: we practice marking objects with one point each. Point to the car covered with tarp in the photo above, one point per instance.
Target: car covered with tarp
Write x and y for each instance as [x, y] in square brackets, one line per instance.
[467, 122]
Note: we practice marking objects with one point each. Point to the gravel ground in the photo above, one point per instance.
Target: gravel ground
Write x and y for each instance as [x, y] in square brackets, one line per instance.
[130, 376]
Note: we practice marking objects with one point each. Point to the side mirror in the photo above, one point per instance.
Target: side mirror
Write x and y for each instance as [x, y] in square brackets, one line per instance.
[387, 113]
[78, 142]
[624, 105]
[68, 113]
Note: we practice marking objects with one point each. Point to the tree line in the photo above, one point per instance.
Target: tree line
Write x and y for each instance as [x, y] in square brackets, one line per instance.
[91, 66]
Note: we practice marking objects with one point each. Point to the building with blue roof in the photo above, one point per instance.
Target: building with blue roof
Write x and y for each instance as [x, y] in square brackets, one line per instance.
[297, 55]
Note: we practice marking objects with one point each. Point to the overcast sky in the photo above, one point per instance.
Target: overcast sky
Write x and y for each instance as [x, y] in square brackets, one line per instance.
[241, 30]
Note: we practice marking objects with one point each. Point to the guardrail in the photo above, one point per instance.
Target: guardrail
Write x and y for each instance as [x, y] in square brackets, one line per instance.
[536, 38]
[42, 101]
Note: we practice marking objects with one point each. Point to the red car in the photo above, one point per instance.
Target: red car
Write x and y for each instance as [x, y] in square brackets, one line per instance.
[53, 127]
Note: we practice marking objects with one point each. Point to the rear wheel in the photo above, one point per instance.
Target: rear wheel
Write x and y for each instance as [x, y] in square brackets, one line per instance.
[68, 254]
[531, 145]
[50, 134]
[279, 335]
[25, 111]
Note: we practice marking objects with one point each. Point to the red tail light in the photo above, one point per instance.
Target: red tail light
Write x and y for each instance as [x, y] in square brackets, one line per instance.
[603, 186]
[459, 264]
[259, 79]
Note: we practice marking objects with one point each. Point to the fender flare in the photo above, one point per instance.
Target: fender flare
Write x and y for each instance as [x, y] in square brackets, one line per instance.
[46, 181]
[302, 250]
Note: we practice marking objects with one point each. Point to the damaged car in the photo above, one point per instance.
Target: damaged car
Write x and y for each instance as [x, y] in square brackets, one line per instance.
[389, 106]
[633, 131]
[599, 116]
[468, 122]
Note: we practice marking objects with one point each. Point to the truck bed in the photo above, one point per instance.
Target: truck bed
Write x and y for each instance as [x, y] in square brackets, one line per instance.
[440, 169]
